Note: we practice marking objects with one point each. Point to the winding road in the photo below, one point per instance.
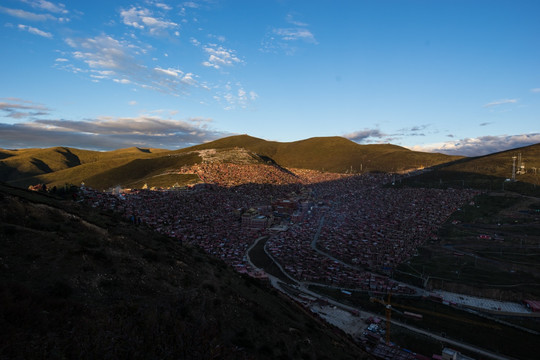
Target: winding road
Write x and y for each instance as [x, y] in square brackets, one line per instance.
[302, 287]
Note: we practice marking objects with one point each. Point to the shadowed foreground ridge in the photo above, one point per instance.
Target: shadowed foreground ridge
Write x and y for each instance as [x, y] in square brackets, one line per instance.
[75, 283]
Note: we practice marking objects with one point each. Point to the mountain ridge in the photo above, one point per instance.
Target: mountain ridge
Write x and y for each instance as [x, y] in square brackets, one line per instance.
[135, 166]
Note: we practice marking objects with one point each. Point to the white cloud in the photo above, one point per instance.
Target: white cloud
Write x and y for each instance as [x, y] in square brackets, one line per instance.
[190, 4]
[294, 34]
[189, 79]
[290, 19]
[61, 60]
[163, 6]
[26, 15]
[365, 136]
[170, 71]
[141, 18]
[108, 58]
[105, 52]
[47, 6]
[535, 90]
[35, 31]
[234, 96]
[500, 102]
[107, 133]
[481, 145]
[220, 56]
[16, 108]
[132, 103]
[219, 38]
[287, 39]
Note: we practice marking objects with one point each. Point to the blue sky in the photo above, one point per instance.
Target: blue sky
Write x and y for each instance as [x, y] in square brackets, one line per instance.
[460, 77]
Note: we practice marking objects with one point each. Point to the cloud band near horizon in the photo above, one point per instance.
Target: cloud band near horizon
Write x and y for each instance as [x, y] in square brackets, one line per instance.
[108, 133]
[480, 146]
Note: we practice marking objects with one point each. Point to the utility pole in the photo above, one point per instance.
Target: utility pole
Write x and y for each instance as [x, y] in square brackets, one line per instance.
[514, 168]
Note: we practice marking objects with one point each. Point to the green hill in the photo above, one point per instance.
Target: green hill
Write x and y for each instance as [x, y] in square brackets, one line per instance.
[18, 164]
[58, 166]
[491, 172]
[134, 167]
[76, 283]
[334, 154]
[500, 164]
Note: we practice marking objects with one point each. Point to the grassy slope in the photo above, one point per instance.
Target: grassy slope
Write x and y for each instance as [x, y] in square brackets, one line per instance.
[486, 172]
[57, 166]
[500, 164]
[334, 154]
[29, 162]
[100, 288]
[141, 170]
[40, 161]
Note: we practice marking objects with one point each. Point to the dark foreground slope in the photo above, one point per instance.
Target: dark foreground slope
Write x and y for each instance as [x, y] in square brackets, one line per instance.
[80, 284]
[334, 154]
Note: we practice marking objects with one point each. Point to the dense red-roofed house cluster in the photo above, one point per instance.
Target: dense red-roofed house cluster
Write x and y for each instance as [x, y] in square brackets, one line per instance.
[363, 225]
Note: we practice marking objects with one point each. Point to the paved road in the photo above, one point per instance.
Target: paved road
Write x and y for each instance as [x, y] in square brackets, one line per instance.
[459, 344]
[302, 287]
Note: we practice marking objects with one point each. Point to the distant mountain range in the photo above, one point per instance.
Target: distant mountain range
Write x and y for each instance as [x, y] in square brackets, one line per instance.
[133, 167]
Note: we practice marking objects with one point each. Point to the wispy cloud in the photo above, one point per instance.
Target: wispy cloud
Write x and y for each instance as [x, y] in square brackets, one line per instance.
[218, 56]
[162, 6]
[104, 58]
[234, 96]
[144, 19]
[47, 6]
[287, 38]
[486, 123]
[107, 133]
[16, 108]
[108, 58]
[291, 20]
[412, 131]
[191, 4]
[481, 145]
[365, 136]
[500, 102]
[294, 34]
[26, 15]
[105, 52]
[371, 136]
[35, 31]
[535, 90]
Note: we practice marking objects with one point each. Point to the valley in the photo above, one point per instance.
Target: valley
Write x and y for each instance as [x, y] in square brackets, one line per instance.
[461, 259]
